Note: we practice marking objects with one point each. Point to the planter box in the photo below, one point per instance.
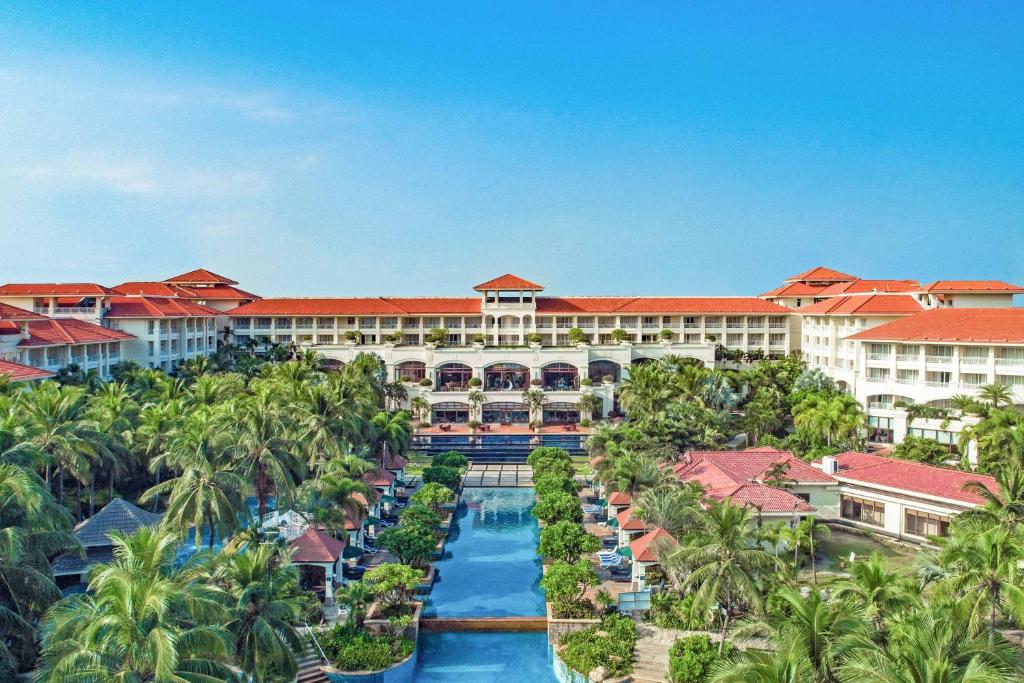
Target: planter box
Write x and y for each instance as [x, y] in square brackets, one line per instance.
[428, 581]
[446, 521]
[402, 672]
[559, 627]
[377, 625]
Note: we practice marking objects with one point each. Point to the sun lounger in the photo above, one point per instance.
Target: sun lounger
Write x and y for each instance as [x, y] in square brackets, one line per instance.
[592, 509]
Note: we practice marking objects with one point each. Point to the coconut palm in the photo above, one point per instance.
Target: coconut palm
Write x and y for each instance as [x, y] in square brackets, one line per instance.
[874, 591]
[647, 390]
[588, 405]
[157, 425]
[672, 508]
[786, 665]
[142, 620]
[832, 416]
[807, 532]
[263, 611]
[339, 493]
[721, 562]
[392, 434]
[421, 406]
[322, 426]
[633, 472]
[1004, 507]
[996, 395]
[394, 394]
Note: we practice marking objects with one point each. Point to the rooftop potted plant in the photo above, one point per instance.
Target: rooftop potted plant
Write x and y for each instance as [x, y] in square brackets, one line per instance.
[620, 336]
[607, 380]
[586, 382]
[534, 339]
[436, 337]
[425, 382]
[479, 341]
[475, 382]
[577, 337]
[666, 337]
[351, 338]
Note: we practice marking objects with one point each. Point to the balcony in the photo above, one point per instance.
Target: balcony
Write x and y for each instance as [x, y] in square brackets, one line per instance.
[908, 358]
[880, 356]
[940, 360]
[1010, 362]
[877, 379]
[776, 326]
[940, 385]
[876, 405]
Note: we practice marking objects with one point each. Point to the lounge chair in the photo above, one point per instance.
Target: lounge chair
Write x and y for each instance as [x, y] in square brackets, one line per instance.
[386, 524]
[610, 542]
[592, 509]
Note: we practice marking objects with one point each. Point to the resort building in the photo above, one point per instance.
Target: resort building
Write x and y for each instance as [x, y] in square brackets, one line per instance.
[508, 338]
[899, 498]
[776, 483]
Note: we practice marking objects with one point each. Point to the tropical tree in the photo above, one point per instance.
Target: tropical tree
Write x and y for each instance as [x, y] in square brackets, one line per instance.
[834, 417]
[647, 390]
[875, 592]
[1002, 508]
[996, 395]
[672, 508]
[265, 453]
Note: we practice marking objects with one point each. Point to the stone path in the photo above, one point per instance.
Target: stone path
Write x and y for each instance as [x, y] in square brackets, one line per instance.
[499, 474]
[650, 660]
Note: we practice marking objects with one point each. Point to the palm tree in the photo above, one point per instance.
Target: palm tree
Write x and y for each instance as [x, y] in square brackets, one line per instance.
[876, 592]
[322, 425]
[588, 404]
[807, 530]
[1003, 508]
[786, 665]
[264, 453]
[996, 395]
[142, 620]
[114, 413]
[421, 406]
[263, 611]
[833, 416]
[534, 400]
[647, 390]
[475, 399]
[672, 508]
[394, 394]
[339, 492]
[634, 472]
[157, 425]
[721, 562]
[392, 433]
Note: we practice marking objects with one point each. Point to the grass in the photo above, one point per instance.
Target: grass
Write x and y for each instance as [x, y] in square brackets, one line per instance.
[842, 543]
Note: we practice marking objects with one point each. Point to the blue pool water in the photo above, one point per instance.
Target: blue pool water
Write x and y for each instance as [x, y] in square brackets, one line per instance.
[490, 566]
[484, 657]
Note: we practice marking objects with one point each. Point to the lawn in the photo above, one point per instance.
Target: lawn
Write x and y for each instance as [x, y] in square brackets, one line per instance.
[841, 544]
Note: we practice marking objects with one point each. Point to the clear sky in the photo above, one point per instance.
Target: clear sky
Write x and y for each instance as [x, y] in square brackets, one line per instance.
[594, 147]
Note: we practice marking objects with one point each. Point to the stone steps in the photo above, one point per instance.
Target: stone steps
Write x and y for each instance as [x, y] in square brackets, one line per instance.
[309, 667]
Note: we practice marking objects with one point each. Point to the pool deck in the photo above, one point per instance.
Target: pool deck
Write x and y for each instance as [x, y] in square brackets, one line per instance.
[501, 475]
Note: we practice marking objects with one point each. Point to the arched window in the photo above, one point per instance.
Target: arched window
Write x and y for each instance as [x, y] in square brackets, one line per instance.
[561, 414]
[453, 377]
[506, 377]
[413, 370]
[599, 369]
[506, 413]
[449, 412]
[560, 377]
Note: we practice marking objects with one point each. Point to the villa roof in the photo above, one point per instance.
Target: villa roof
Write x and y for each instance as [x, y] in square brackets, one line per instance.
[59, 332]
[956, 286]
[220, 293]
[750, 465]
[648, 304]
[795, 289]
[359, 306]
[380, 477]
[644, 548]
[55, 289]
[157, 307]
[118, 515]
[865, 304]
[981, 325]
[22, 373]
[396, 462]
[767, 499]
[160, 289]
[316, 545]
[911, 476]
[10, 313]
[200, 276]
[628, 522]
[508, 281]
[619, 498]
[870, 287]
[821, 274]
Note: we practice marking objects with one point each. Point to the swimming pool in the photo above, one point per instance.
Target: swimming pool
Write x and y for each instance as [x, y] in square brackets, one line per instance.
[484, 657]
[490, 566]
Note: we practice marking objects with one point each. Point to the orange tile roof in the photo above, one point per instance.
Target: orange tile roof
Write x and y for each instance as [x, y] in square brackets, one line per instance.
[794, 289]
[628, 522]
[766, 499]
[9, 313]
[821, 274]
[870, 286]
[359, 306]
[316, 546]
[644, 548]
[911, 476]
[751, 465]
[55, 289]
[861, 304]
[954, 286]
[508, 281]
[153, 289]
[220, 293]
[58, 332]
[619, 498]
[156, 307]
[981, 325]
[201, 276]
[667, 304]
[21, 373]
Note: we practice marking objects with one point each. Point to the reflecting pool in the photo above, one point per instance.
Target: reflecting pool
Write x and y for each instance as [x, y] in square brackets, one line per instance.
[490, 566]
[484, 657]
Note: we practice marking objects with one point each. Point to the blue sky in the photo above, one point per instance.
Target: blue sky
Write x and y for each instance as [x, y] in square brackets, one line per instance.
[595, 147]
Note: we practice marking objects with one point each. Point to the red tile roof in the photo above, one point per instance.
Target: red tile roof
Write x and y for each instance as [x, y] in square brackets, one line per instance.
[508, 281]
[767, 499]
[870, 286]
[865, 304]
[380, 478]
[821, 274]
[200, 276]
[358, 306]
[981, 325]
[910, 476]
[667, 304]
[644, 548]
[221, 293]
[751, 465]
[619, 498]
[157, 307]
[153, 289]
[9, 313]
[58, 332]
[795, 289]
[22, 373]
[628, 522]
[316, 546]
[55, 289]
[954, 286]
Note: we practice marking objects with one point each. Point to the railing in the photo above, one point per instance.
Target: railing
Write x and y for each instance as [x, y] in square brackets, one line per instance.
[907, 358]
[879, 356]
[651, 326]
[969, 385]
[969, 360]
[776, 326]
[1004, 362]
[906, 380]
[262, 327]
[875, 405]
[734, 326]
[932, 383]
[66, 310]
[877, 379]
[938, 359]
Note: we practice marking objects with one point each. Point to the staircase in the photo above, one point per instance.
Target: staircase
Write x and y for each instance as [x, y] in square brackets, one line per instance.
[650, 659]
[309, 662]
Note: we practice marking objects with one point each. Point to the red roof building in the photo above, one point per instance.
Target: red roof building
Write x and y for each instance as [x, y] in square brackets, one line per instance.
[156, 307]
[77, 289]
[200, 276]
[644, 549]
[16, 372]
[629, 522]
[964, 325]
[821, 274]
[969, 286]
[869, 304]
[69, 331]
[911, 477]
[156, 289]
[619, 498]
[316, 546]
[10, 313]
[508, 282]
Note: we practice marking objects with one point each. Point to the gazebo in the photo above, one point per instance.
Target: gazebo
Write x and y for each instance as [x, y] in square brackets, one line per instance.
[318, 556]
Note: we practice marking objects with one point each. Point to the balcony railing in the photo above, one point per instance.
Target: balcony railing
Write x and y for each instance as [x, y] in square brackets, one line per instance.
[776, 326]
[1009, 362]
[877, 379]
[938, 359]
[876, 405]
[932, 383]
[906, 380]
[908, 357]
[879, 356]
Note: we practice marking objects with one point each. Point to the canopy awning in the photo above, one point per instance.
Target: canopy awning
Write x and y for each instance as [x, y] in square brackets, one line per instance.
[351, 552]
[371, 521]
[624, 551]
[388, 498]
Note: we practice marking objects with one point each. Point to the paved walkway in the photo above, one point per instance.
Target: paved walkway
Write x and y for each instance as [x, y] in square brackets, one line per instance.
[650, 659]
[499, 474]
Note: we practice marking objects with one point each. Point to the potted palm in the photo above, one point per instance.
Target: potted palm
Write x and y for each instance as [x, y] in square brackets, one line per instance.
[666, 337]
[479, 341]
[621, 337]
[351, 338]
[577, 337]
[607, 380]
[534, 340]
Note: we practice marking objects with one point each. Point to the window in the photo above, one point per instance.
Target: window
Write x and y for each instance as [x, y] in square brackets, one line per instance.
[283, 323]
[861, 510]
[453, 323]
[325, 323]
[410, 322]
[389, 323]
[879, 429]
[304, 323]
[919, 523]
[431, 323]
[368, 322]
[691, 321]
[151, 327]
[563, 321]
[325, 339]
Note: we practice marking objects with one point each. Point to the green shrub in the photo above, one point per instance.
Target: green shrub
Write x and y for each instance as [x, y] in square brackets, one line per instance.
[547, 453]
[558, 506]
[439, 474]
[552, 482]
[609, 645]
[433, 495]
[671, 610]
[566, 541]
[690, 659]
[420, 515]
[350, 649]
[565, 586]
[450, 459]
[410, 543]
